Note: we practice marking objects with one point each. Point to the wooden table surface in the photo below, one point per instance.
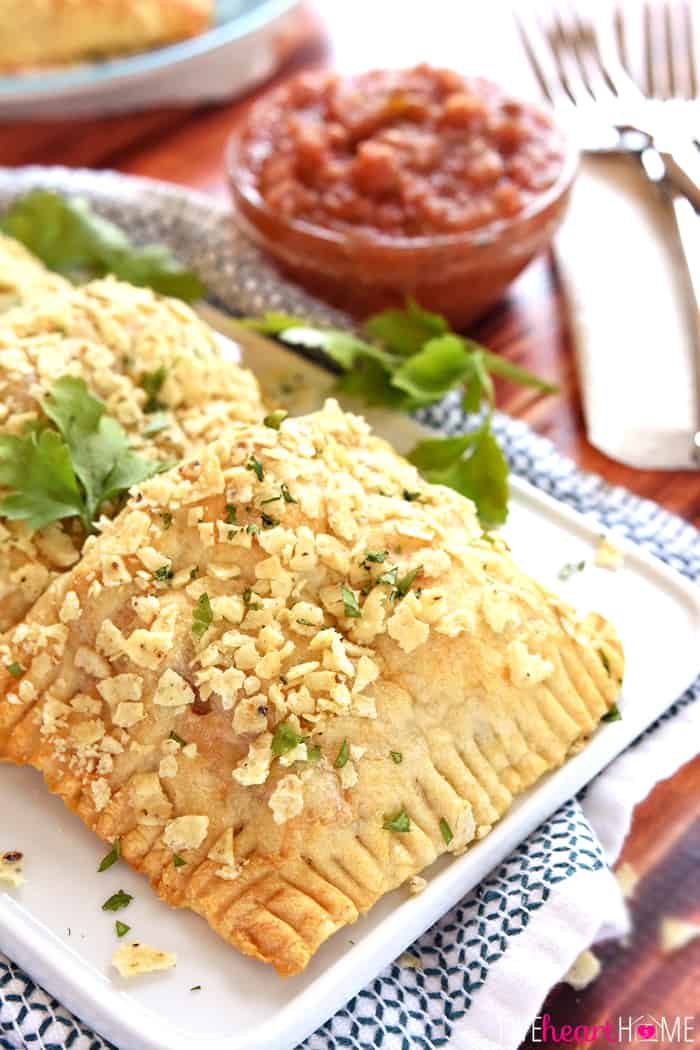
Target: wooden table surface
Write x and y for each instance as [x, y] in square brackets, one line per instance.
[185, 146]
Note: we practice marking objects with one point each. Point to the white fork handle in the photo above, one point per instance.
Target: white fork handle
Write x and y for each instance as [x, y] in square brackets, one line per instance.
[683, 170]
[688, 227]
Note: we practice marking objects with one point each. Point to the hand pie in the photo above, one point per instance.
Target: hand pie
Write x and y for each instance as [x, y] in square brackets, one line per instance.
[55, 32]
[333, 686]
[115, 337]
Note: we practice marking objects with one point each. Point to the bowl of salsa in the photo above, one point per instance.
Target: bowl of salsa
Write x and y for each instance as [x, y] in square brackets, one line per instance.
[415, 182]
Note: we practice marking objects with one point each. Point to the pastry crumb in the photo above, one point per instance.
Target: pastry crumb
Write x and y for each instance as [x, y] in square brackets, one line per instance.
[11, 863]
[134, 959]
[607, 555]
[675, 933]
[627, 878]
[416, 884]
[583, 971]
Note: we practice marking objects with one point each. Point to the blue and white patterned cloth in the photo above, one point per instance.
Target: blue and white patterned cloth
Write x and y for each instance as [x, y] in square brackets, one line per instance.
[475, 987]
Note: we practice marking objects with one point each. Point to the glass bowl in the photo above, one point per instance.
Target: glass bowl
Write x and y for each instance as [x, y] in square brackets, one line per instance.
[459, 275]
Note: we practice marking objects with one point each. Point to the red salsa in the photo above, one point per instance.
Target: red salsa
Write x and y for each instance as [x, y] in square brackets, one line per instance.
[407, 153]
[415, 182]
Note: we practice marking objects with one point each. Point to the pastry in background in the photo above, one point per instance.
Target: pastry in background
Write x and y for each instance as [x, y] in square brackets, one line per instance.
[22, 275]
[38, 33]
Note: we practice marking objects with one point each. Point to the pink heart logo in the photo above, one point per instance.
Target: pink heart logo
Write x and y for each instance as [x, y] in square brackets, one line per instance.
[646, 1030]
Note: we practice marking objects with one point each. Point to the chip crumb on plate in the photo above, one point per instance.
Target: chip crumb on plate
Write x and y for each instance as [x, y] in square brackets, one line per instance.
[627, 877]
[607, 555]
[583, 971]
[675, 933]
[133, 959]
[11, 863]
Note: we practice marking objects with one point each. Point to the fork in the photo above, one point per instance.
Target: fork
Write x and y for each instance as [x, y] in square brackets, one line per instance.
[582, 76]
[580, 73]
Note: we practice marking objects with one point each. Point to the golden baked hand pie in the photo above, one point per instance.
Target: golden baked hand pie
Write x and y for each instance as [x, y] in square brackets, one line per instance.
[54, 32]
[136, 351]
[22, 275]
[318, 678]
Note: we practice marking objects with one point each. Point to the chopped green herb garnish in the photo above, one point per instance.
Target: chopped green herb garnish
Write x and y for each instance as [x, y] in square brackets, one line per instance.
[268, 520]
[202, 615]
[194, 572]
[604, 660]
[157, 421]
[117, 901]
[15, 669]
[342, 757]
[248, 594]
[275, 419]
[121, 928]
[70, 470]
[397, 757]
[313, 753]
[352, 609]
[111, 858]
[405, 583]
[253, 529]
[446, 831]
[272, 499]
[570, 569]
[151, 382]
[390, 576]
[230, 518]
[411, 497]
[613, 715]
[284, 739]
[256, 466]
[177, 738]
[167, 519]
[399, 822]
[286, 494]
[374, 557]
[196, 988]
[178, 861]
[163, 574]
[305, 623]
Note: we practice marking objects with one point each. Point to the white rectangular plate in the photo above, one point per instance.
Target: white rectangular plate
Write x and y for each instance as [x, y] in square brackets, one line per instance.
[53, 926]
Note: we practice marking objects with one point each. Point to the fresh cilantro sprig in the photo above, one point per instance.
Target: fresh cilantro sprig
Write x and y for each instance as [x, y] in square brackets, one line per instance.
[406, 359]
[71, 467]
[72, 239]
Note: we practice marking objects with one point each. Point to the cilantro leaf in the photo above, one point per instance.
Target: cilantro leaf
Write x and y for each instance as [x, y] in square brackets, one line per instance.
[440, 365]
[612, 715]
[405, 331]
[97, 444]
[121, 928]
[38, 471]
[501, 366]
[273, 322]
[72, 239]
[482, 476]
[342, 347]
